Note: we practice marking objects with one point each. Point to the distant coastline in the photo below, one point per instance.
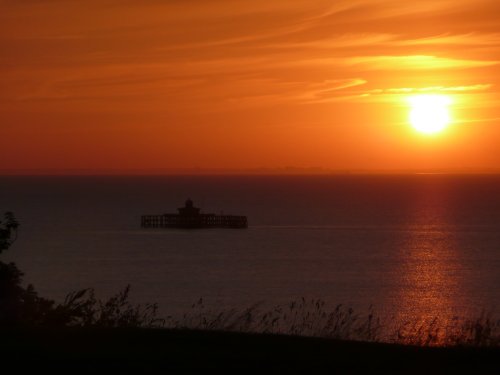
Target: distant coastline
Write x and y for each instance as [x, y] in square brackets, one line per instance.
[285, 171]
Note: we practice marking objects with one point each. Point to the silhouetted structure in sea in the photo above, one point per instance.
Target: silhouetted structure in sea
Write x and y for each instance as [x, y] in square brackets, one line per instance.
[189, 217]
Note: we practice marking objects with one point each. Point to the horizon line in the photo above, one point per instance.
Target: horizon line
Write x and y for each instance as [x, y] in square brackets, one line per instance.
[298, 171]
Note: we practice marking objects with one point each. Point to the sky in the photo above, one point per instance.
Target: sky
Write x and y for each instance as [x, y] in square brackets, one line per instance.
[240, 85]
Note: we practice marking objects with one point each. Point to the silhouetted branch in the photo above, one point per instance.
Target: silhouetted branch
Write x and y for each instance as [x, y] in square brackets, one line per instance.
[8, 231]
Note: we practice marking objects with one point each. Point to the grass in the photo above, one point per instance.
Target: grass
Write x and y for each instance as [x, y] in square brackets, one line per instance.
[313, 318]
[482, 331]
[304, 317]
[298, 318]
[301, 337]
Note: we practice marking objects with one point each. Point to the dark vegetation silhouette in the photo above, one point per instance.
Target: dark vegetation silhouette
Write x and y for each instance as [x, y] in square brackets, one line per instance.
[313, 318]
[84, 334]
[8, 231]
[23, 307]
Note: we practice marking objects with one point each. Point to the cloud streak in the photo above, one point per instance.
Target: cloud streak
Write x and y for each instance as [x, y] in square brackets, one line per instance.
[415, 62]
[410, 90]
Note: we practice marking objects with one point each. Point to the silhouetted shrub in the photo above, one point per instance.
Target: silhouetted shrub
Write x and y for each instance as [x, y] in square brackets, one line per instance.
[8, 231]
[23, 307]
[85, 310]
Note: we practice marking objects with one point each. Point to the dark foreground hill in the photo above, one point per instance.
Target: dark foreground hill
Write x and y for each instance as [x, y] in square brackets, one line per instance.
[159, 351]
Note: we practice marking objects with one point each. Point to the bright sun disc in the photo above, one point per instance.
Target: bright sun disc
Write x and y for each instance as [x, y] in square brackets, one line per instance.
[429, 113]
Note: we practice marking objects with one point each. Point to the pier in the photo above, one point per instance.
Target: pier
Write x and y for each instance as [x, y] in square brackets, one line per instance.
[189, 217]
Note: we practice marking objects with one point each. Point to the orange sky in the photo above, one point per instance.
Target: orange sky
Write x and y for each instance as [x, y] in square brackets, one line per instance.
[239, 84]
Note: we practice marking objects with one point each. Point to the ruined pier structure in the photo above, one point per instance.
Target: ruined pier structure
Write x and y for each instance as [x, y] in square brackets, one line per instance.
[190, 217]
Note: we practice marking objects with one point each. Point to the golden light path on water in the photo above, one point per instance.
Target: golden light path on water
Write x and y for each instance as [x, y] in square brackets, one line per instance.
[430, 270]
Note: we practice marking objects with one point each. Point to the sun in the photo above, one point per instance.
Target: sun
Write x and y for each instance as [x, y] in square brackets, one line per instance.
[429, 114]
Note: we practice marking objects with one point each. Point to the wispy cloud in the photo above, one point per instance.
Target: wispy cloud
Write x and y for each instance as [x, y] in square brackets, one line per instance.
[473, 39]
[352, 93]
[162, 48]
[415, 62]
[347, 40]
[410, 90]
[327, 91]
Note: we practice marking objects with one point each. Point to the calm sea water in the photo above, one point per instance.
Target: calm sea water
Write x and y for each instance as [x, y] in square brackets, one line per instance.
[421, 245]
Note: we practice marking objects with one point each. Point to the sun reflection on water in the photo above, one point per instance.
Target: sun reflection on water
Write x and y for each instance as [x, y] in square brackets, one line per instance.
[429, 275]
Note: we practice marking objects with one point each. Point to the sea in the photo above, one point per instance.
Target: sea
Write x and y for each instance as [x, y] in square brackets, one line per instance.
[405, 246]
